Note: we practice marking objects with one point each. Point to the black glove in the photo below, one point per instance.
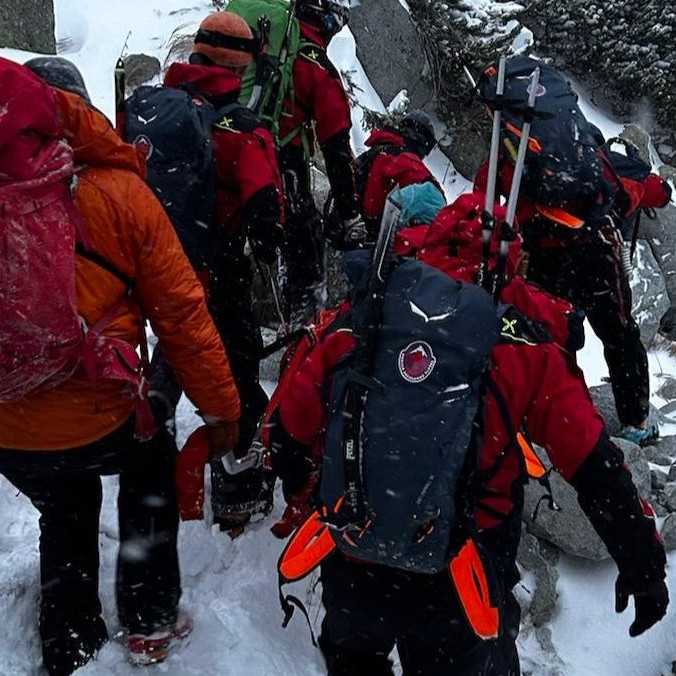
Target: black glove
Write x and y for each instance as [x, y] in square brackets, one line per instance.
[651, 599]
[668, 324]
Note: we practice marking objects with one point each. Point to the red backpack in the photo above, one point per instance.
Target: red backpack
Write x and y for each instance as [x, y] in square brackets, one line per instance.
[41, 335]
[43, 340]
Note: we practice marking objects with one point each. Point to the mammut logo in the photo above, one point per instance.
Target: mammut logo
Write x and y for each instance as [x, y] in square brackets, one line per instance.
[144, 146]
[416, 362]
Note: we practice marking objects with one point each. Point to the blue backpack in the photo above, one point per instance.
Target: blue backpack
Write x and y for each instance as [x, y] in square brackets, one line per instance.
[399, 456]
[174, 133]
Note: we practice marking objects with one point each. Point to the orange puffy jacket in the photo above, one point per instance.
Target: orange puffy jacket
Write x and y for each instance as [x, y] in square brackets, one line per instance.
[127, 226]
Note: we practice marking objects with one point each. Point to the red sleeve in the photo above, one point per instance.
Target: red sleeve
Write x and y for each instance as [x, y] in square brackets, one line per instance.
[547, 392]
[246, 162]
[389, 172]
[303, 411]
[322, 94]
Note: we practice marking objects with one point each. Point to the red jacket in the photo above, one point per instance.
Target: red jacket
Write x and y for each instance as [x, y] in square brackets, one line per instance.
[536, 387]
[319, 97]
[246, 161]
[392, 167]
[540, 383]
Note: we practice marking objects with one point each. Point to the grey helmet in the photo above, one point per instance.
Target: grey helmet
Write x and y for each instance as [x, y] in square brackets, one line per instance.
[60, 73]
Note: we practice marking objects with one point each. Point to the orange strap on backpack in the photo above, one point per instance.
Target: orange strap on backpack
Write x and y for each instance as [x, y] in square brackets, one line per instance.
[308, 547]
[471, 582]
[534, 466]
[560, 216]
[306, 550]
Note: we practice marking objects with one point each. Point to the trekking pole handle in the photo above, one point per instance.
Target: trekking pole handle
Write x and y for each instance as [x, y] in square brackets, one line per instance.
[519, 165]
[495, 139]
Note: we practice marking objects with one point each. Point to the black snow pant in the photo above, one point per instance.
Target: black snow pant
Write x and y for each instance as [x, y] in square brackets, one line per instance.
[371, 609]
[232, 311]
[304, 251]
[589, 273]
[65, 487]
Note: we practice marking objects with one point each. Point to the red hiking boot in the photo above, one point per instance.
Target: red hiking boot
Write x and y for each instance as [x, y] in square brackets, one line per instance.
[147, 649]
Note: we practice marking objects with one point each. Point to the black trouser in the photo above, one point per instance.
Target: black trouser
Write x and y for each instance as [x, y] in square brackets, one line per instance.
[588, 272]
[370, 609]
[304, 253]
[232, 311]
[65, 487]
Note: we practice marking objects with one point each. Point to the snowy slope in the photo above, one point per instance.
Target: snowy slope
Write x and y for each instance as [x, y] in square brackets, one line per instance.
[230, 587]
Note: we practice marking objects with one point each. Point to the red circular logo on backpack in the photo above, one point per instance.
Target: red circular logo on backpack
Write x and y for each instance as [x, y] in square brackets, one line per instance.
[417, 361]
[144, 146]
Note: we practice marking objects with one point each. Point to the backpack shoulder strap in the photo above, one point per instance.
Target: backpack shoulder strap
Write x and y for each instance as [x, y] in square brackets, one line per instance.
[90, 255]
[317, 56]
[236, 119]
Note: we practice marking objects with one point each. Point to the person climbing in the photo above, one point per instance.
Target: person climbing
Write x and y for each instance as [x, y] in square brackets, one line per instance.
[306, 105]
[395, 159]
[93, 258]
[406, 559]
[570, 212]
[217, 203]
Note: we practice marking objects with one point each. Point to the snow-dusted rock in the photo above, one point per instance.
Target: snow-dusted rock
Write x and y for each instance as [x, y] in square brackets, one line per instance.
[668, 532]
[140, 69]
[391, 52]
[533, 557]
[569, 529]
[660, 234]
[668, 389]
[604, 401]
[650, 297]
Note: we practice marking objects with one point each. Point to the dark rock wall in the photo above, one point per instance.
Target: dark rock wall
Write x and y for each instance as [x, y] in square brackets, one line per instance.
[625, 50]
[28, 24]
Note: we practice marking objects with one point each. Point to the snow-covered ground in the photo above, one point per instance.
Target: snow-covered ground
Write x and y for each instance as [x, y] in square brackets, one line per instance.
[230, 587]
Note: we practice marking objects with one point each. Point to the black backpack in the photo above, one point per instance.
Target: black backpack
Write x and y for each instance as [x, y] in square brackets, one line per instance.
[174, 132]
[563, 163]
[396, 472]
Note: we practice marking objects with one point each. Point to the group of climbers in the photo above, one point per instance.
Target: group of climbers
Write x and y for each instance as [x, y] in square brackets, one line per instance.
[418, 355]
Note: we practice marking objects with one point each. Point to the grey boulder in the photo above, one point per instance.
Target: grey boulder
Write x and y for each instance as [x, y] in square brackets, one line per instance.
[569, 529]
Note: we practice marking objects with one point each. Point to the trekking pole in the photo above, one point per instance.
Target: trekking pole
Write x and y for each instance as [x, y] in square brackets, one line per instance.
[488, 220]
[508, 234]
[523, 148]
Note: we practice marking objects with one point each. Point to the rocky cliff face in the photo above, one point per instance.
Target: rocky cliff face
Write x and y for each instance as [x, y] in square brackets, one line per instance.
[28, 24]
[623, 51]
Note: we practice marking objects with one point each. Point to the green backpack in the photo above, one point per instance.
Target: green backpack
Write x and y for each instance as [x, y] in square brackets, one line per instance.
[267, 84]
